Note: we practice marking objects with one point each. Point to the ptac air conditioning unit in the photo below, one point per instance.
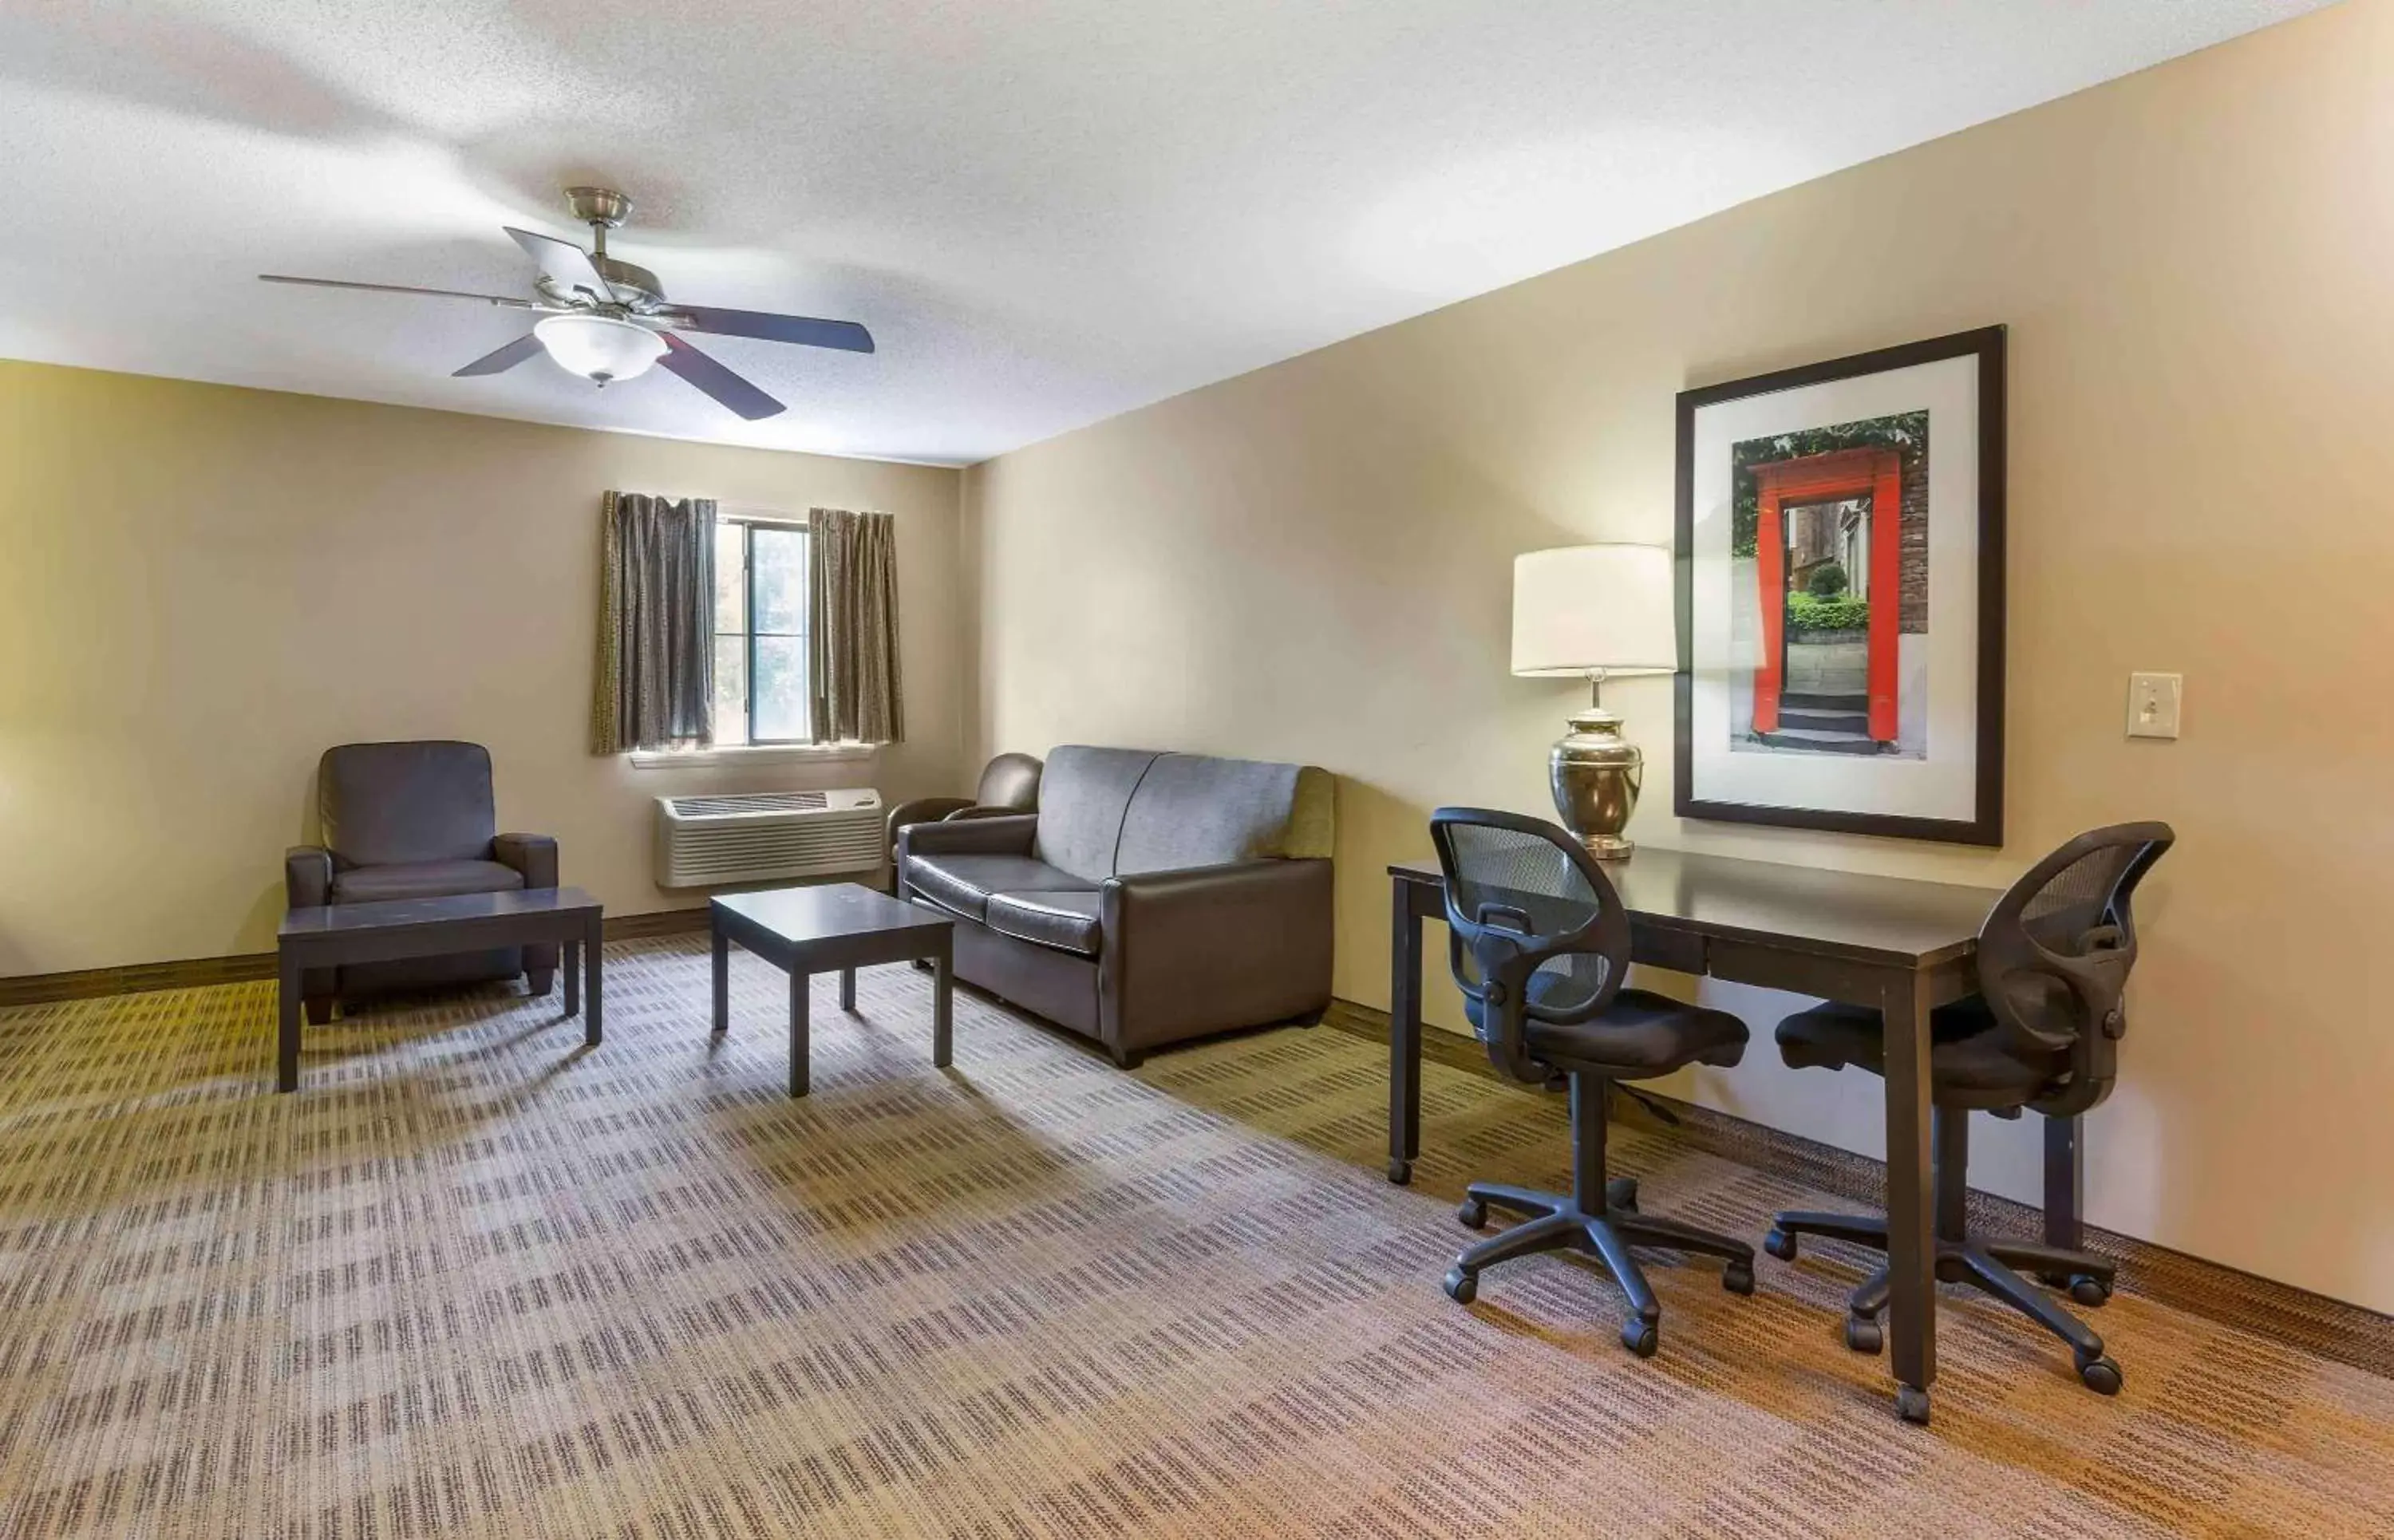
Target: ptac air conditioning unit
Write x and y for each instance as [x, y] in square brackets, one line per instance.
[755, 836]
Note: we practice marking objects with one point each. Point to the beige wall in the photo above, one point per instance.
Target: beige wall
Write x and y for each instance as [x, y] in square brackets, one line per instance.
[1311, 562]
[201, 588]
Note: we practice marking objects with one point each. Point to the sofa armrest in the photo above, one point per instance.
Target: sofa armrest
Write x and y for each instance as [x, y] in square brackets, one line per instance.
[978, 836]
[1214, 947]
[533, 855]
[923, 810]
[306, 876]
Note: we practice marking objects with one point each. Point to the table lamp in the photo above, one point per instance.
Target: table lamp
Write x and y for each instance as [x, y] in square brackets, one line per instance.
[1598, 612]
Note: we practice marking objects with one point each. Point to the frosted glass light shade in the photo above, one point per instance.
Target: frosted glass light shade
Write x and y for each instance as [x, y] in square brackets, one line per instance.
[600, 348]
[1579, 608]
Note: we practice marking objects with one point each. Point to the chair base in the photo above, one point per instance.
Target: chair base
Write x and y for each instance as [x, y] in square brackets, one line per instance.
[1600, 1219]
[2000, 1269]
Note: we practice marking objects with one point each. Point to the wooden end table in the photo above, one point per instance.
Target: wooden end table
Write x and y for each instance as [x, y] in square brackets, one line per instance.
[809, 930]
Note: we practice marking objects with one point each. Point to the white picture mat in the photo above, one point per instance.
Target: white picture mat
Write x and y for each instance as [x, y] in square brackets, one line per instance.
[1943, 785]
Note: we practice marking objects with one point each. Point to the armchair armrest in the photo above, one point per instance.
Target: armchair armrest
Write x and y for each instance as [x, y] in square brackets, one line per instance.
[1213, 947]
[306, 876]
[533, 855]
[923, 810]
[994, 836]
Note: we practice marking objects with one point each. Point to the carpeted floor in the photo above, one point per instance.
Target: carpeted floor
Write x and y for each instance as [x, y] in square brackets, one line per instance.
[474, 1279]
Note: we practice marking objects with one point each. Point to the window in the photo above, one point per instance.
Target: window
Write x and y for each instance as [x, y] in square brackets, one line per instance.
[760, 633]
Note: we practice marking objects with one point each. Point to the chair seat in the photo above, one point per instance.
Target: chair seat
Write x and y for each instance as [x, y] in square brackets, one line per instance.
[1970, 1057]
[1640, 1035]
[1066, 919]
[961, 883]
[423, 879]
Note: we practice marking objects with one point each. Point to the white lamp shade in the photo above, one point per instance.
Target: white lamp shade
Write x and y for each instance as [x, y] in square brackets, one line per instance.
[1579, 608]
[600, 348]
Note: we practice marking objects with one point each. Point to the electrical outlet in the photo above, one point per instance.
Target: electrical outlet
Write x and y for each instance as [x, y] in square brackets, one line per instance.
[2153, 704]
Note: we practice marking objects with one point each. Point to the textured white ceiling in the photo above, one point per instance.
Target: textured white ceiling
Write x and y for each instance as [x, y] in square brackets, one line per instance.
[1047, 213]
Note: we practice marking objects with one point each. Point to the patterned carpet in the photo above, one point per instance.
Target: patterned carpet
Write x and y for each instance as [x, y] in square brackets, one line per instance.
[475, 1281]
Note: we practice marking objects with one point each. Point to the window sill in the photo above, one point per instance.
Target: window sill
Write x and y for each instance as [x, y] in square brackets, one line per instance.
[757, 754]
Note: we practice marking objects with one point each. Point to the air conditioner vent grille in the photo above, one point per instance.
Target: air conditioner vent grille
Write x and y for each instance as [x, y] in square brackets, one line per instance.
[749, 802]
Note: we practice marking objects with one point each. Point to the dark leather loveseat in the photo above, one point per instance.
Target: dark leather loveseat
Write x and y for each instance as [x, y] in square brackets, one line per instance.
[413, 820]
[1153, 896]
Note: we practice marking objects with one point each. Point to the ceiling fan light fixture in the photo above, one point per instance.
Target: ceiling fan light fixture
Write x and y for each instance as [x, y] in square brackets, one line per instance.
[600, 348]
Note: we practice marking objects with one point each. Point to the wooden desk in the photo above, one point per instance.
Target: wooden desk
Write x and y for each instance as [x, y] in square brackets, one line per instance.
[1905, 947]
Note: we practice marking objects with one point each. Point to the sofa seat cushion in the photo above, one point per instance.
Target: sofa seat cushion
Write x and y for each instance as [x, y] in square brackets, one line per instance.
[423, 879]
[961, 883]
[1063, 919]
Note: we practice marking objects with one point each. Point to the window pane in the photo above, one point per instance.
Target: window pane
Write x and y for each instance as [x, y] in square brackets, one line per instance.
[731, 586]
[730, 690]
[781, 580]
[780, 689]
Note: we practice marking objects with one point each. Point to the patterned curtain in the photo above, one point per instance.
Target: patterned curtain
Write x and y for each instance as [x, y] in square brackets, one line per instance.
[656, 624]
[852, 673]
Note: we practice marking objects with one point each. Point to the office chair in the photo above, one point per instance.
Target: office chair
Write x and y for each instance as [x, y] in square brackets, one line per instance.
[2043, 1032]
[1539, 942]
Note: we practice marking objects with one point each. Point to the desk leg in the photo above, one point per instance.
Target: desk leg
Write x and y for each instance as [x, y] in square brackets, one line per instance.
[593, 948]
[800, 1077]
[720, 944]
[1405, 1032]
[847, 988]
[1911, 1249]
[572, 965]
[286, 1024]
[943, 1003]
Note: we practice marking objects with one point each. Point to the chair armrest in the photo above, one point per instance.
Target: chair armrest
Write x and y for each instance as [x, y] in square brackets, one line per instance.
[308, 876]
[533, 855]
[991, 837]
[977, 811]
[923, 810]
[1235, 945]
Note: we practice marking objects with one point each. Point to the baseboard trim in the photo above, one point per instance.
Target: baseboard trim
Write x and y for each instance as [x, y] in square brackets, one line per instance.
[37, 989]
[2314, 1322]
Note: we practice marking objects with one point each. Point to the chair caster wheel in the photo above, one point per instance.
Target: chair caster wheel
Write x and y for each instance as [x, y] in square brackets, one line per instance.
[1911, 1404]
[1863, 1335]
[1621, 1194]
[1473, 1214]
[1780, 1244]
[1738, 1278]
[1401, 1172]
[1640, 1336]
[2091, 1292]
[2101, 1376]
[1461, 1286]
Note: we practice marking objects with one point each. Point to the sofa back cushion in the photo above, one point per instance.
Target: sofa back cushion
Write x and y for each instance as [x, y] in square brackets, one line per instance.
[1192, 809]
[1083, 795]
[384, 804]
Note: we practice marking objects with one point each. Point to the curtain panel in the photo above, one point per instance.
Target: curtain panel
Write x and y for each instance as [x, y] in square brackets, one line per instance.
[852, 673]
[656, 624]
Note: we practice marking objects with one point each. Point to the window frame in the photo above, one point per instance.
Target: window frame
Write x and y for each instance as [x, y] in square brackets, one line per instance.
[749, 521]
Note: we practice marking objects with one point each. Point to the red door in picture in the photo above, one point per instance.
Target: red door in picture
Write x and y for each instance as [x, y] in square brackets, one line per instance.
[1842, 475]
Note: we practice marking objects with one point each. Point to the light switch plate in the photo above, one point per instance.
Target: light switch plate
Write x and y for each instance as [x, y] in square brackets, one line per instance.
[2153, 704]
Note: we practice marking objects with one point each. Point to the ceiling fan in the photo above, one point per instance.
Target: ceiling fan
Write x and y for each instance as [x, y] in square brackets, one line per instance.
[608, 319]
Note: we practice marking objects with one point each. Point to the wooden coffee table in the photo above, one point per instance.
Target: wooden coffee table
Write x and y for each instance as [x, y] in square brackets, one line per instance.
[808, 930]
[340, 933]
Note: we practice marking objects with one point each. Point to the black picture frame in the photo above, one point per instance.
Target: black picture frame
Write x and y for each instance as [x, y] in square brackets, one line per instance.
[1985, 826]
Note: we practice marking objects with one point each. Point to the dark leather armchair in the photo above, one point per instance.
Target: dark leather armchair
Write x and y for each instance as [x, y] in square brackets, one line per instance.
[1009, 784]
[413, 820]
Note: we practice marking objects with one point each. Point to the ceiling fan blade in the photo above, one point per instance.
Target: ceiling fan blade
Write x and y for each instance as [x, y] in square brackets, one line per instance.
[718, 381]
[565, 264]
[399, 288]
[499, 361]
[803, 330]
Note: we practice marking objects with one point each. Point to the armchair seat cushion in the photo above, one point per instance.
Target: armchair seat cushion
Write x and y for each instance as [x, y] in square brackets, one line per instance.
[1063, 919]
[423, 879]
[961, 883]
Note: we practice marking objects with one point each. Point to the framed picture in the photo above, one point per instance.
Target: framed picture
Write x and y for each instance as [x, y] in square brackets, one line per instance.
[1841, 595]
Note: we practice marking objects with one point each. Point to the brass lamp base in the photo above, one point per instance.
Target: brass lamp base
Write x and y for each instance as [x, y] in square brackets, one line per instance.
[1596, 774]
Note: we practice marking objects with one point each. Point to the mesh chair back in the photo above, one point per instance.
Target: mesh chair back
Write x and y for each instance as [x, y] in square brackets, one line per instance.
[2056, 951]
[1535, 931]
